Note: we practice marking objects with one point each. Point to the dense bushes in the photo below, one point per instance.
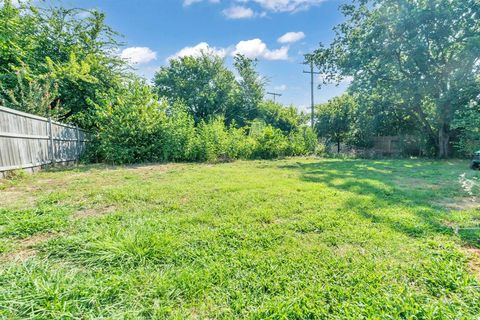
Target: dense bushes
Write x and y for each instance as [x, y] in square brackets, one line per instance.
[136, 127]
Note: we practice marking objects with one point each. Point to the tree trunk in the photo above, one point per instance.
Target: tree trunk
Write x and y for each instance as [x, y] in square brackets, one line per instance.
[443, 142]
[338, 146]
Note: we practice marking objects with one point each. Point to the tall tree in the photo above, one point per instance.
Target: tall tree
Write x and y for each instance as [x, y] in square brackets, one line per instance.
[334, 119]
[251, 93]
[285, 118]
[56, 45]
[203, 84]
[426, 51]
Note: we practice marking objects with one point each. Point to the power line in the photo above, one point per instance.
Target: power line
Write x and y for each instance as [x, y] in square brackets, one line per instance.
[312, 82]
[274, 95]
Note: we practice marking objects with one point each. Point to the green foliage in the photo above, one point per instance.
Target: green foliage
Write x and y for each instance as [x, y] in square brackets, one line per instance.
[179, 135]
[129, 126]
[288, 239]
[304, 141]
[134, 127]
[425, 53]
[251, 92]
[58, 50]
[271, 143]
[216, 142]
[334, 119]
[203, 84]
[32, 96]
[284, 118]
[468, 122]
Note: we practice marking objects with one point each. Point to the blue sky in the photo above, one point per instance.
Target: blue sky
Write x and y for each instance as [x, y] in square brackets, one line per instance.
[276, 32]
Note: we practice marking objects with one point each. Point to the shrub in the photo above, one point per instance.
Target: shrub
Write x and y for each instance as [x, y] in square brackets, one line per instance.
[271, 143]
[212, 141]
[137, 128]
[129, 127]
[179, 135]
[303, 141]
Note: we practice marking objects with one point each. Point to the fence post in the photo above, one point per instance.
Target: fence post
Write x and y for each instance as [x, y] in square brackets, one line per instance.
[77, 131]
[50, 138]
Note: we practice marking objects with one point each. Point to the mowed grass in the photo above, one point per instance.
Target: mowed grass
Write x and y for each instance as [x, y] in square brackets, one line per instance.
[288, 239]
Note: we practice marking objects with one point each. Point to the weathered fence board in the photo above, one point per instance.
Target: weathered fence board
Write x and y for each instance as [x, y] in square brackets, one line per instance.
[28, 141]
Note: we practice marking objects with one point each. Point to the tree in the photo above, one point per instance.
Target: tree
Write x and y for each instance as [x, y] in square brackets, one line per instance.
[427, 52]
[251, 93]
[334, 119]
[468, 122]
[281, 117]
[57, 45]
[379, 113]
[203, 84]
[31, 96]
[129, 125]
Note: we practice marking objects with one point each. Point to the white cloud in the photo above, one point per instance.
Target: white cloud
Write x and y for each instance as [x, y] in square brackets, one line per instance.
[282, 87]
[269, 5]
[138, 55]
[286, 5]
[256, 48]
[238, 12]
[187, 3]
[197, 50]
[291, 37]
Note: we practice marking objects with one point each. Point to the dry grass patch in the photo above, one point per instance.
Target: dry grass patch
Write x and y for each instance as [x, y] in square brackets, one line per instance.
[474, 262]
[459, 203]
[93, 212]
[26, 248]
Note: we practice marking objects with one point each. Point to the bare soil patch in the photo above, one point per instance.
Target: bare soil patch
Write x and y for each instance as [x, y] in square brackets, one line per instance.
[474, 262]
[459, 204]
[93, 212]
[26, 247]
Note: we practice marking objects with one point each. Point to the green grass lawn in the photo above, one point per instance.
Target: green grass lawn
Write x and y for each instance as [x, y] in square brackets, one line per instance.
[289, 239]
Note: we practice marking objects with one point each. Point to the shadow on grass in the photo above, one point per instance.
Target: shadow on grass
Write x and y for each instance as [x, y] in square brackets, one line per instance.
[378, 197]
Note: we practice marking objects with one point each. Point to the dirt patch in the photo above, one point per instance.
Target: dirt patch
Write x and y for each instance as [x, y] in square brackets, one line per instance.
[459, 204]
[416, 183]
[26, 247]
[17, 198]
[93, 212]
[151, 167]
[474, 262]
[184, 200]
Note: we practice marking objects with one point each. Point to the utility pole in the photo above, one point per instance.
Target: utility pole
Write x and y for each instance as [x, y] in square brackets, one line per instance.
[274, 95]
[312, 82]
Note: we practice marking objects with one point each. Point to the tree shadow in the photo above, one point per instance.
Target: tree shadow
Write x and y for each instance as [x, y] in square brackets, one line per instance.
[378, 197]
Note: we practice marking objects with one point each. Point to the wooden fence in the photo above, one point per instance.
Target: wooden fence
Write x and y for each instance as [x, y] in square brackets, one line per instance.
[29, 142]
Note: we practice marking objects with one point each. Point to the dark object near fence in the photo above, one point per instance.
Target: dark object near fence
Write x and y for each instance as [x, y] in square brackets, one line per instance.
[476, 161]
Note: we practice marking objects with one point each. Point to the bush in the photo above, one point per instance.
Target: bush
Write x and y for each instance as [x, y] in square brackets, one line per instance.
[212, 140]
[137, 128]
[467, 122]
[303, 142]
[130, 127]
[179, 136]
[271, 143]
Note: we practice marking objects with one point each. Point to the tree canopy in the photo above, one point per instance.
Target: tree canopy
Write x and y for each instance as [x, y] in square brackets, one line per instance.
[426, 52]
[334, 119]
[58, 47]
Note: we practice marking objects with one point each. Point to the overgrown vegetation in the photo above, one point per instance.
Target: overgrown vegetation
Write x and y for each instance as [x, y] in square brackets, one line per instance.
[414, 65]
[288, 239]
[57, 63]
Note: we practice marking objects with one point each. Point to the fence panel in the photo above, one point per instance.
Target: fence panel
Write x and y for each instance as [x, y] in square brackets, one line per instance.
[28, 141]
